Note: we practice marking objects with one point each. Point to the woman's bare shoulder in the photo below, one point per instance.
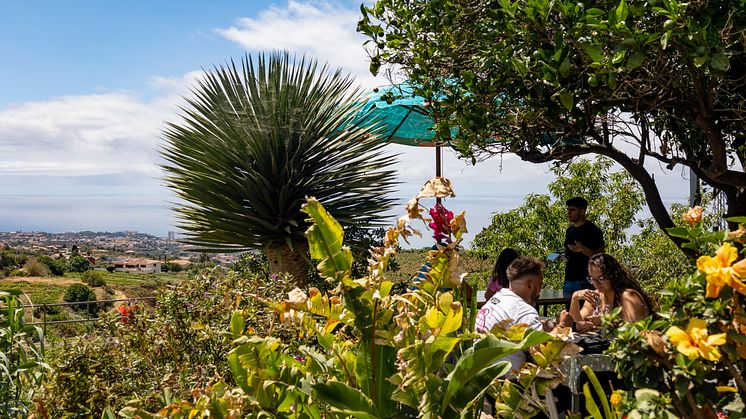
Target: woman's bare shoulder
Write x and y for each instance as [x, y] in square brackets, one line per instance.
[631, 293]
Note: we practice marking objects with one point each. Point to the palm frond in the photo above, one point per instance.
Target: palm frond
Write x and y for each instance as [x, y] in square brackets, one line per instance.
[257, 138]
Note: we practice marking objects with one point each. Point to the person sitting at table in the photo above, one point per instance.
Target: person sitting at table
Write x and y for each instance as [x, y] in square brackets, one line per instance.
[516, 303]
[613, 287]
[499, 276]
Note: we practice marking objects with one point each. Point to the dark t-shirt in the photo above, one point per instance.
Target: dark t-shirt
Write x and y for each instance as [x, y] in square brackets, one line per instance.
[590, 236]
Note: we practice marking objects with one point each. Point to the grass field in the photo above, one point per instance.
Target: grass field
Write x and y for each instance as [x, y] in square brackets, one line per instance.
[49, 290]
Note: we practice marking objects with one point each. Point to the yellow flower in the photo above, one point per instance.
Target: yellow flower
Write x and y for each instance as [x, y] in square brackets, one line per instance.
[693, 216]
[616, 398]
[695, 341]
[720, 272]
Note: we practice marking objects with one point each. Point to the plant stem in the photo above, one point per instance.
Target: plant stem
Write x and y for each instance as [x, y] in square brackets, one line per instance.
[692, 403]
[735, 373]
[344, 366]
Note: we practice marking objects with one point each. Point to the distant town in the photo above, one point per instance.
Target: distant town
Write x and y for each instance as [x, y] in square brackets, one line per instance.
[116, 245]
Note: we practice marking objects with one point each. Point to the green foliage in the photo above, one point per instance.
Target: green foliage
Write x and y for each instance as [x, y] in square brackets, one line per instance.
[179, 345]
[93, 278]
[172, 267]
[378, 355]
[78, 264]
[21, 358]
[56, 266]
[256, 140]
[34, 267]
[9, 261]
[690, 360]
[637, 81]
[79, 292]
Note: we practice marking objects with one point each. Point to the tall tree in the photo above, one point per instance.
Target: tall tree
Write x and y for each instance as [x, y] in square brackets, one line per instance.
[638, 81]
[255, 141]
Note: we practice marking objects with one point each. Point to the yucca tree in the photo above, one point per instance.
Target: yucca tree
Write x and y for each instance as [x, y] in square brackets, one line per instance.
[255, 140]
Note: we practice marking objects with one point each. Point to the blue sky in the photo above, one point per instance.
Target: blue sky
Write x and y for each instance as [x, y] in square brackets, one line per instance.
[85, 88]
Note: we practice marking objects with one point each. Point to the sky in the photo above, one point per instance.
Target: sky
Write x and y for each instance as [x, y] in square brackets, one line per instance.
[86, 87]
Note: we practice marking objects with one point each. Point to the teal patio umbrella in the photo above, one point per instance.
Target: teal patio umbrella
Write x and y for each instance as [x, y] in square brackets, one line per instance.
[401, 117]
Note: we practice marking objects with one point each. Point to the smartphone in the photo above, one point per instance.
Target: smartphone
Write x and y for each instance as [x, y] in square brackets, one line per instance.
[554, 256]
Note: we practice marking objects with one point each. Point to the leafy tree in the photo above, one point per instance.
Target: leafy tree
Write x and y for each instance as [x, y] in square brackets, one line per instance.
[257, 139]
[78, 264]
[638, 81]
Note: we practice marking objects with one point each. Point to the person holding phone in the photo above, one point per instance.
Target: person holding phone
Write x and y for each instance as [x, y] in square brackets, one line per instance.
[583, 239]
[613, 286]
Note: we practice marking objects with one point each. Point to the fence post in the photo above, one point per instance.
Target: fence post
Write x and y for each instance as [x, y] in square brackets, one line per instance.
[44, 320]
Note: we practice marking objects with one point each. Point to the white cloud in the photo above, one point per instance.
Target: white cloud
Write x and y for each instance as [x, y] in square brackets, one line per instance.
[96, 134]
[322, 30]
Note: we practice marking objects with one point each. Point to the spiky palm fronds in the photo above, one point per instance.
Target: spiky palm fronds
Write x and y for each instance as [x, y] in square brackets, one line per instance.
[257, 139]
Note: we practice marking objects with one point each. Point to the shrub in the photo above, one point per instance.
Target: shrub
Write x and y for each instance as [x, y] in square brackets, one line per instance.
[78, 264]
[56, 266]
[79, 292]
[18, 272]
[694, 354]
[179, 346]
[93, 278]
[34, 267]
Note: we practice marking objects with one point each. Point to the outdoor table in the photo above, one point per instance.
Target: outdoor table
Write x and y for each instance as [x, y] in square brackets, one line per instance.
[572, 368]
[550, 297]
[547, 298]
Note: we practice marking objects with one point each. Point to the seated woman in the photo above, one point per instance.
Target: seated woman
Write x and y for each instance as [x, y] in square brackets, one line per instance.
[499, 277]
[614, 287]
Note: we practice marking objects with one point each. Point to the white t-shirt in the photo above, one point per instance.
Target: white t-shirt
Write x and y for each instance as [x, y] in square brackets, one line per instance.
[504, 305]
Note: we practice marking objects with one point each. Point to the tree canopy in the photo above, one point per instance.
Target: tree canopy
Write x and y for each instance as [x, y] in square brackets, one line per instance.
[635, 80]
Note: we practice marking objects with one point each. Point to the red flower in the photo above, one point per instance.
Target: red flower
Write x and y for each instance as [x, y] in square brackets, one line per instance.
[441, 223]
[126, 312]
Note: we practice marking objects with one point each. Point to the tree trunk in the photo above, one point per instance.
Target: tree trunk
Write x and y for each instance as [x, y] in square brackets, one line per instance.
[295, 262]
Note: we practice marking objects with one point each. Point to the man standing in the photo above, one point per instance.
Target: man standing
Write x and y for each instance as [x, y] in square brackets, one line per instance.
[515, 304]
[583, 239]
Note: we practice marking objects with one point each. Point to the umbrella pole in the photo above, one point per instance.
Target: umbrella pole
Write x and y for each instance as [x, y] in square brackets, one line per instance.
[438, 167]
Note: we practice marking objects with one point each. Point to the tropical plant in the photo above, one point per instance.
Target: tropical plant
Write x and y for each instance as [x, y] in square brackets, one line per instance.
[256, 140]
[22, 364]
[694, 354]
[377, 355]
[638, 81]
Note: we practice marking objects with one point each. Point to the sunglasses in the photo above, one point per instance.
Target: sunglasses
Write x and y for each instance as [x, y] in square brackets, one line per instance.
[600, 278]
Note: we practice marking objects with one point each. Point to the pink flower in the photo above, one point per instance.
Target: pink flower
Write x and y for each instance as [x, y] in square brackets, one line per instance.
[441, 223]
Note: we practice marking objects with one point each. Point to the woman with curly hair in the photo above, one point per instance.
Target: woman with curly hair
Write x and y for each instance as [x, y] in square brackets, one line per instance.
[613, 287]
